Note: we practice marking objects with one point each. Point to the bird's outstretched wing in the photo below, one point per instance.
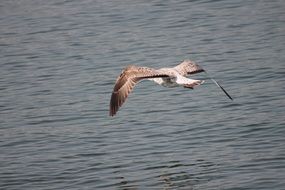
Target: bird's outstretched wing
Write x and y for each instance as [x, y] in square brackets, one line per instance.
[188, 67]
[129, 77]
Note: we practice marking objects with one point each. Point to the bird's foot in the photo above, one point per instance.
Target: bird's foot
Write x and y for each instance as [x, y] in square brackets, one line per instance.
[190, 87]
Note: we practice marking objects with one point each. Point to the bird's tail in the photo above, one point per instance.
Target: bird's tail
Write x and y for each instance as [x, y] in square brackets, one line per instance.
[193, 83]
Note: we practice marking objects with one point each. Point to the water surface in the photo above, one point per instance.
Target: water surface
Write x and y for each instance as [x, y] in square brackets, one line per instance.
[59, 61]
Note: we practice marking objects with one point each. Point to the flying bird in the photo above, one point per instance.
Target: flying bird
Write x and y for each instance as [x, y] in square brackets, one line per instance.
[167, 77]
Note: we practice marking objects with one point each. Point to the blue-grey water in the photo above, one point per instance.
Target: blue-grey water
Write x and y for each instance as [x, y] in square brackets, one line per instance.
[58, 63]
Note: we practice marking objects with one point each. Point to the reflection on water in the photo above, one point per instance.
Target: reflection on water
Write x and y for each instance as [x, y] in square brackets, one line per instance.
[170, 176]
[173, 180]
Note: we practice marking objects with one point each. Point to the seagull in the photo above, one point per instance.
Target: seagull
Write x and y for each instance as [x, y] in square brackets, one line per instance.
[167, 77]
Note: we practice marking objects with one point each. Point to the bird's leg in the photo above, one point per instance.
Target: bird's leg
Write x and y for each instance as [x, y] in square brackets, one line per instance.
[187, 86]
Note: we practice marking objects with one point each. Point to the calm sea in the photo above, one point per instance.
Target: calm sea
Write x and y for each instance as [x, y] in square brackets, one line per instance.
[58, 64]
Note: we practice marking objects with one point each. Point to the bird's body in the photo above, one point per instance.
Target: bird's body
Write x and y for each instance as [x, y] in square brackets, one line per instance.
[174, 79]
[167, 77]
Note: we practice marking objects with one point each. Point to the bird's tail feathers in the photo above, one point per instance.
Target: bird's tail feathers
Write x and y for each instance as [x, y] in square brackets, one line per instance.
[193, 83]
